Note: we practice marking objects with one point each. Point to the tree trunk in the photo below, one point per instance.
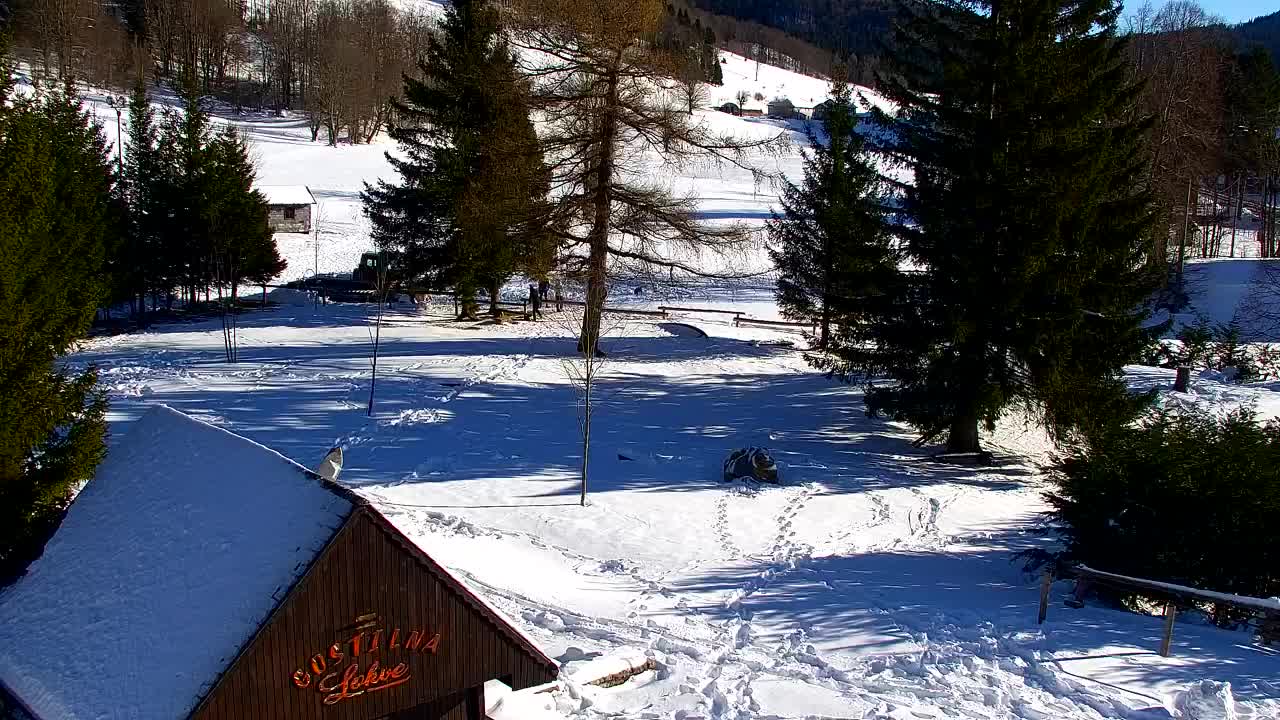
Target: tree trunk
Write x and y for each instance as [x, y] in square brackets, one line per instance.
[1234, 213]
[597, 262]
[586, 428]
[494, 287]
[826, 324]
[1186, 228]
[964, 434]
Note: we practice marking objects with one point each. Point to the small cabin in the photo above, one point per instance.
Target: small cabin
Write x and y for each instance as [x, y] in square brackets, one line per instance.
[201, 576]
[288, 207]
[782, 108]
[751, 112]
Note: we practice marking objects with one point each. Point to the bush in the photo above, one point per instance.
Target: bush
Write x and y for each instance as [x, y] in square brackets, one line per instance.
[1191, 499]
[1205, 346]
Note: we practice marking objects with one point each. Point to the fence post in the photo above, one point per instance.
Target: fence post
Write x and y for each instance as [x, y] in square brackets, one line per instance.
[1045, 584]
[1170, 612]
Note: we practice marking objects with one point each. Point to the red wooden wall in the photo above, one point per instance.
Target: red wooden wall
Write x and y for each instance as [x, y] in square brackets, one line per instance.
[371, 585]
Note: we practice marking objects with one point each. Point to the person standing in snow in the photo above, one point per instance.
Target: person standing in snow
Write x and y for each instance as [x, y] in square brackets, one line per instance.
[543, 287]
[559, 297]
[535, 301]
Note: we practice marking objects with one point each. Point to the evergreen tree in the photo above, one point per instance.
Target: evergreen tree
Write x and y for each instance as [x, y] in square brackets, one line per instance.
[1022, 218]
[1189, 498]
[1253, 113]
[210, 224]
[242, 244]
[830, 243]
[472, 173]
[141, 189]
[186, 243]
[714, 73]
[56, 224]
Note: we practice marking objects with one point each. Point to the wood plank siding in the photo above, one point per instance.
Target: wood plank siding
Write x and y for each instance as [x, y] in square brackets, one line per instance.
[375, 629]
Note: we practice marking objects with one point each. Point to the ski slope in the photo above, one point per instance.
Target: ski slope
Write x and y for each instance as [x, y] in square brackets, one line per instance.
[871, 584]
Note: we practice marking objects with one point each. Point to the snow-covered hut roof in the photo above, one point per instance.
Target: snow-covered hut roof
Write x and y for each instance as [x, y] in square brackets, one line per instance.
[287, 194]
[165, 566]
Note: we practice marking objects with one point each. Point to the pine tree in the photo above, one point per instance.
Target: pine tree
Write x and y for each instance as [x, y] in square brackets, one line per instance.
[187, 243]
[830, 243]
[1022, 219]
[141, 189]
[714, 73]
[56, 224]
[242, 243]
[471, 173]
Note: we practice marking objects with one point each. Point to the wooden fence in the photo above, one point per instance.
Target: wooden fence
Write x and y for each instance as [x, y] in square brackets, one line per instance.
[1174, 596]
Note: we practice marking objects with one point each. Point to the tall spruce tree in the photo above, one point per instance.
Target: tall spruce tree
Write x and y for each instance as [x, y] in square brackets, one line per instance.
[830, 243]
[1022, 218]
[141, 188]
[56, 224]
[186, 243]
[210, 224]
[241, 242]
[471, 174]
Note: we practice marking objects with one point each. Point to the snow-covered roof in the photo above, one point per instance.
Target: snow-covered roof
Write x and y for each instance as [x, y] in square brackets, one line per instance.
[165, 566]
[287, 194]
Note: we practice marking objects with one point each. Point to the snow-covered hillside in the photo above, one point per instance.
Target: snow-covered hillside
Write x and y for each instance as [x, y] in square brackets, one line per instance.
[285, 155]
[872, 583]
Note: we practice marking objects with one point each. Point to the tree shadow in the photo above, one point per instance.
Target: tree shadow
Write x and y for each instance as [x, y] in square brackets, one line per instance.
[437, 422]
[853, 606]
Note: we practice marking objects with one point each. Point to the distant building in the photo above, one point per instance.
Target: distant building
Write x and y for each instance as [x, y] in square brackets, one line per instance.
[752, 112]
[781, 108]
[288, 207]
[731, 108]
[820, 110]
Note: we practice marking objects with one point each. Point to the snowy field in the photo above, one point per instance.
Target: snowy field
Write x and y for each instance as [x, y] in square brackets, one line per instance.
[871, 584]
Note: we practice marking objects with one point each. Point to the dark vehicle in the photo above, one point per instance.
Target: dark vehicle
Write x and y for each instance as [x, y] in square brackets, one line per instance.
[367, 271]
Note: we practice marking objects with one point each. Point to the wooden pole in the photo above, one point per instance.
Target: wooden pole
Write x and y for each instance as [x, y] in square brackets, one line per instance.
[1236, 211]
[1045, 584]
[1170, 612]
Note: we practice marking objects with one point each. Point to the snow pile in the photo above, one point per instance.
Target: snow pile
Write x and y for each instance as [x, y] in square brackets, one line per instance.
[1206, 700]
[166, 564]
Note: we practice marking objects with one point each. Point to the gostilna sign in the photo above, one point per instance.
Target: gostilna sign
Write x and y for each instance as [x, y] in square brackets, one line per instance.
[370, 656]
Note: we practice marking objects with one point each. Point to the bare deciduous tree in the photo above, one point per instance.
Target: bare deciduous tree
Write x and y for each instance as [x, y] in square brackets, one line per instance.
[583, 371]
[1180, 53]
[608, 109]
[73, 39]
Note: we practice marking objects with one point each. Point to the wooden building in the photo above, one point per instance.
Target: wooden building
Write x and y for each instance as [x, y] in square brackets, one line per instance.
[288, 207]
[782, 108]
[200, 575]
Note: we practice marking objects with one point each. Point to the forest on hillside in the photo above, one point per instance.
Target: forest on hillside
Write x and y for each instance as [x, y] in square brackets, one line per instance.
[1264, 31]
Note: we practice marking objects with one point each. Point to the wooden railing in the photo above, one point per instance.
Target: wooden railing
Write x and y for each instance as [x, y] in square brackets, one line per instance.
[1174, 596]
